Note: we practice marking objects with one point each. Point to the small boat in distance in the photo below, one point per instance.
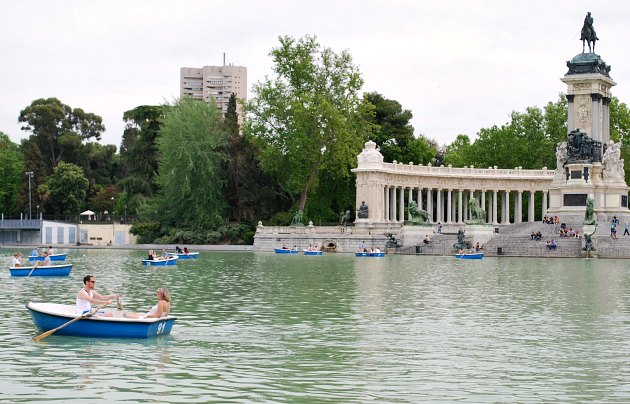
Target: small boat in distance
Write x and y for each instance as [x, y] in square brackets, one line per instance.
[307, 252]
[285, 251]
[160, 262]
[184, 256]
[47, 316]
[53, 257]
[470, 256]
[369, 254]
[48, 270]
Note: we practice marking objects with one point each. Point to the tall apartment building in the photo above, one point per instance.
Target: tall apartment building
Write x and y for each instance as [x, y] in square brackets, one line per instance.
[218, 82]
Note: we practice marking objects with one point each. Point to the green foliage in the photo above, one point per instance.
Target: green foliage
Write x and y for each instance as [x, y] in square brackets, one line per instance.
[620, 131]
[58, 129]
[146, 231]
[102, 201]
[528, 140]
[67, 187]
[11, 173]
[190, 177]
[393, 133]
[236, 233]
[280, 219]
[307, 117]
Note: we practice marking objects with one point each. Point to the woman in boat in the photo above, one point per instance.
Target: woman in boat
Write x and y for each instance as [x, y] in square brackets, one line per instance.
[50, 250]
[151, 255]
[34, 253]
[161, 309]
[185, 250]
[16, 260]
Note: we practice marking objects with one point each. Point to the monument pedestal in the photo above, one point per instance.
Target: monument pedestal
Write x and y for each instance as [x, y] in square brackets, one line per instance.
[479, 233]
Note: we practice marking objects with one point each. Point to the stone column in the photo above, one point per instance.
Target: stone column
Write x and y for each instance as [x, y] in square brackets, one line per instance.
[420, 198]
[596, 135]
[460, 215]
[606, 120]
[483, 202]
[495, 195]
[570, 108]
[449, 205]
[401, 206]
[518, 205]
[530, 212]
[506, 219]
[544, 203]
[394, 210]
[430, 204]
[465, 208]
[438, 205]
[409, 203]
[387, 207]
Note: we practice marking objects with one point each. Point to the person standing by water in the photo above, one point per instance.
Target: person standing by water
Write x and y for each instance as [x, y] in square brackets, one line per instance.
[87, 296]
[161, 309]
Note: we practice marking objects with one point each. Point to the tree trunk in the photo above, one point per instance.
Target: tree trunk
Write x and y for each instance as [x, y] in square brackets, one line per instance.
[307, 187]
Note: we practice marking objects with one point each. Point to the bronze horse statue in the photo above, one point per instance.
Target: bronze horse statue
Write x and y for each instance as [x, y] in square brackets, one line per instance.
[588, 35]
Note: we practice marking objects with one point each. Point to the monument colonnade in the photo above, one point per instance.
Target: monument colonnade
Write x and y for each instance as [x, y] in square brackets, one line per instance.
[444, 192]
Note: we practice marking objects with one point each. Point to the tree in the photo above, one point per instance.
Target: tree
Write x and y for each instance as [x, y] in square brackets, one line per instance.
[393, 132]
[308, 117]
[190, 175]
[67, 187]
[58, 129]
[11, 173]
[457, 153]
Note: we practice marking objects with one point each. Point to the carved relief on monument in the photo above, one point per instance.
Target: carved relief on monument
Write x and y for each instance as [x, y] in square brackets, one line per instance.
[582, 111]
[580, 86]
[370, 154]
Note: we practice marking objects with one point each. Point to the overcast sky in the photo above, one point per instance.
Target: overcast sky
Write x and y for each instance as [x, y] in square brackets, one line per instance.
[459, 66]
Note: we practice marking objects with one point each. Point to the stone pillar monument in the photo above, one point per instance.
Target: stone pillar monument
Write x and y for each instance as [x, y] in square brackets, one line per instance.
[588, 164]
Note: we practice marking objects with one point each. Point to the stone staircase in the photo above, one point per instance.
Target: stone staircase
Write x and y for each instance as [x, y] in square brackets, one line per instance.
[515, 240]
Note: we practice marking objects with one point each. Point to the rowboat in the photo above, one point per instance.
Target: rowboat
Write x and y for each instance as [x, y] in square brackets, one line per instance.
[47, 316]
[306, 252]
[469, 256]
[285, 251]
[53, 257]
[48, 270]
[184, 256]
[171, 260]
[369, 254]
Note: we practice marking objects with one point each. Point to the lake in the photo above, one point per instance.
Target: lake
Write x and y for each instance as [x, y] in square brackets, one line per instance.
[260, 327]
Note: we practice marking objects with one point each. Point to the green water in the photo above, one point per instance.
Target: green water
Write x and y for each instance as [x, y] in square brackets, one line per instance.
[260, 327]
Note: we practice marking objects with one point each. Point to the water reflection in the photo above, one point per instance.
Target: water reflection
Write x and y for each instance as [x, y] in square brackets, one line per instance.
[266, 327]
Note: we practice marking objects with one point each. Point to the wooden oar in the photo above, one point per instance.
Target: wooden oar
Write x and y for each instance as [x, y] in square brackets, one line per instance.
[119, 305]
[86, 315]
[29, 274]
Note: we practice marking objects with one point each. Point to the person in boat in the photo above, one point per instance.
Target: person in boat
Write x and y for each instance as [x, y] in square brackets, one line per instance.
[478, 247]
[161, 309]
[46, 262]
[151, 255]
[16, 260]
[87, 296]
[284, 247]
[34, 253]
[178, 250]
[164, 255]
[185, 250]
[50, 250]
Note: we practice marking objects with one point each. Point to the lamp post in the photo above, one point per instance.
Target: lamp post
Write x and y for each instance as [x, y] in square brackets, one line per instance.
[38, 211]
[30, 175]
[125, 213]
[112, 209]
[113, 228]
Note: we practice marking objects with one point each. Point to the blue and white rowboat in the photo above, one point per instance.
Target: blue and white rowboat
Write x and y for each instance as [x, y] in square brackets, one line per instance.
[184, 256]
[286, 251]
[313, 252]
[49, 270]
[53, 257]
[47, 316]
[369, 254]
[172, 260]
[469, 256]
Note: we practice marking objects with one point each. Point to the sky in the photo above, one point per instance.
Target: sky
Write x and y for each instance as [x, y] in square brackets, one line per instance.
[458, 65]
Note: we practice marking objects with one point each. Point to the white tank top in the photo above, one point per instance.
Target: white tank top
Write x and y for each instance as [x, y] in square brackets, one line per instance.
[82, 304]
[153, 311]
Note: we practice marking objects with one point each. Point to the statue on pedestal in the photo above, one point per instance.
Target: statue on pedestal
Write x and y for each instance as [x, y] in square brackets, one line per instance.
[588, 241]
[418, 216]
[477, 215]
[362, 212]
[589, 216]
[588, 34]
[298, 217]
